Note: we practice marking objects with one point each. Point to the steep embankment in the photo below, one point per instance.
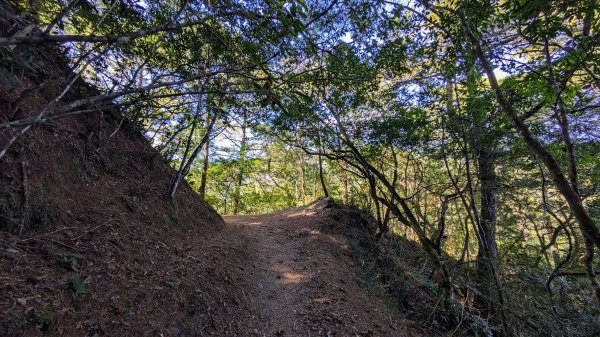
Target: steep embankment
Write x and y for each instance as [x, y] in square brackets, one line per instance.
[88, 243]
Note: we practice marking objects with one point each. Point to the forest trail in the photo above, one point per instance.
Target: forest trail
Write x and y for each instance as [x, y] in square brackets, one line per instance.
[299, 280]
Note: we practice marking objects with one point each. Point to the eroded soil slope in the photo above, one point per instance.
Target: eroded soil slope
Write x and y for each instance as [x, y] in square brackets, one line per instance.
[89, 245]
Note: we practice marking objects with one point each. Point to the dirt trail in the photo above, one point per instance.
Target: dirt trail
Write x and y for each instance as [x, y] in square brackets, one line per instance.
[300, 281]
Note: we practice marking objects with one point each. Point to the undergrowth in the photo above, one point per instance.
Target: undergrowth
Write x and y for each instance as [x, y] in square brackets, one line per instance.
[396, 277]
[398, 270]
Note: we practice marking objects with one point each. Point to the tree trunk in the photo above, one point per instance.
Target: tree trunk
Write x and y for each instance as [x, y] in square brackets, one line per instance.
[303, 179]
[488, 251]
[487, 254]
[321, 178]
[240, 175]
[205, 161]
[345, 189]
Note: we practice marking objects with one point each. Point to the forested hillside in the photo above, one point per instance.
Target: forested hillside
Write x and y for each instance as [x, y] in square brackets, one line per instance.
[465, 132]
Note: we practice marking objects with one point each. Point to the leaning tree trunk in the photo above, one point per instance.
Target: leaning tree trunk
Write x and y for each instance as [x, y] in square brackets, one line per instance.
[186, 164]
[569, 193]
[180, 172]
[321, 178]
[588, 227]
[400, 208]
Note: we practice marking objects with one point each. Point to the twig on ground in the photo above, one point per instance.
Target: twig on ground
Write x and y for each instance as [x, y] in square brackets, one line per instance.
[46, 234]
[91, 230]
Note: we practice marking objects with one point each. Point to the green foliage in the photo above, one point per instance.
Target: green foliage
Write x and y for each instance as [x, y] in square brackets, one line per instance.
[9, 211]
[131, 204]
[265, 187]
[79, 285]
[71, 260]
[41, 216]
[41, 319]
[368, 263]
